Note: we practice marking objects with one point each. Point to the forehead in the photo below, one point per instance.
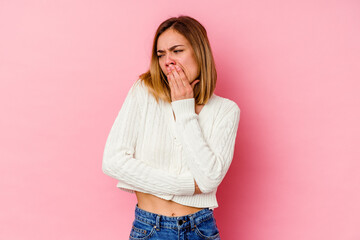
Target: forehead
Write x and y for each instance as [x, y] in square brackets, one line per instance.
[170, 38]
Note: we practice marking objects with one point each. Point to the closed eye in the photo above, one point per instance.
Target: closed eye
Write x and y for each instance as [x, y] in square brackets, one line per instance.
[176, 51]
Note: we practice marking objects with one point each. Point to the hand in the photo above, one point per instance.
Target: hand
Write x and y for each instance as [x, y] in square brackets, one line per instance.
[179, 84]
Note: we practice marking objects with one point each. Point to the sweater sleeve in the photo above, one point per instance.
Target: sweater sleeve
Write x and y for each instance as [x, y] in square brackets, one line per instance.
[118, 157]
[208, 159]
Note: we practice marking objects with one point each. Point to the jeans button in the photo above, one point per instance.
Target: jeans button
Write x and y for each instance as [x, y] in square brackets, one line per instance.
[181, 222]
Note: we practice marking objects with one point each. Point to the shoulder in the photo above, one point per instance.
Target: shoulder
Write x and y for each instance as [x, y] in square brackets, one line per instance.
[225, 105]
[138, 89]
[138, 86]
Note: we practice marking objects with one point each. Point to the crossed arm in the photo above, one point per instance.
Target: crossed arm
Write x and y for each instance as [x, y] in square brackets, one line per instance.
[208, 159]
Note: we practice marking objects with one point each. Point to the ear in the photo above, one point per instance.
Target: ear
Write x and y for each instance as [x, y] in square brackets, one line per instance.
[194, 83]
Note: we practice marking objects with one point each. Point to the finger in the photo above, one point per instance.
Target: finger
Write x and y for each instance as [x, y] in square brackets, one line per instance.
[181, 82]
[177, 78]
[169, 79]
[171, 85]
[186, 73]
[182, 76]
[174, 81]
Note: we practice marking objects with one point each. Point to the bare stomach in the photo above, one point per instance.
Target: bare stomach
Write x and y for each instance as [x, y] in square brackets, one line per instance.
[164, 207]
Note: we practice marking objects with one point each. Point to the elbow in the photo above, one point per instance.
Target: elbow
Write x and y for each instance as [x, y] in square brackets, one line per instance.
[105, 167]
[208, 186]
[107, 164]
[113, 163]
[207, 189]
[210, 181]
[211, 177]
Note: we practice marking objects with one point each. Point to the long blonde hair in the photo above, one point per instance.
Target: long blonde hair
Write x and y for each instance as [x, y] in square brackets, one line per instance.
[195, 33]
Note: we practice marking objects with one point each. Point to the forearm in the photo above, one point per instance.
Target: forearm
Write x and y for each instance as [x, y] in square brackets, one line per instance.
[207, 159]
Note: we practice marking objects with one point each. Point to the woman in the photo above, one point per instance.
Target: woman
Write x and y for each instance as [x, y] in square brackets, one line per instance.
[173, 139]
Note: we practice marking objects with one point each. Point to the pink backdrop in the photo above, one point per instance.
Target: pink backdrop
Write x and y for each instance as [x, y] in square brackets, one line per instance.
[293, 67]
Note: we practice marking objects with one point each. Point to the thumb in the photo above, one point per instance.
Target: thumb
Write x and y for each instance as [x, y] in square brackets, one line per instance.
[194, 82]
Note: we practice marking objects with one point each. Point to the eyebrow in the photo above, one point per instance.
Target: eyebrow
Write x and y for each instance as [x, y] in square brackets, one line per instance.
[173, 47]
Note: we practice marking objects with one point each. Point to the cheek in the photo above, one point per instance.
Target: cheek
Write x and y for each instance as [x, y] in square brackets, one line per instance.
[162, 67]
[191, 62]
[193, 68]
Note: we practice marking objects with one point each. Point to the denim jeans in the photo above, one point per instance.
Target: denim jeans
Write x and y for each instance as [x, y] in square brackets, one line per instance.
[200, 225]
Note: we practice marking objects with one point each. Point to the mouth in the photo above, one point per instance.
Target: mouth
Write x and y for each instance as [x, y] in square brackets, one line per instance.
[181, 69]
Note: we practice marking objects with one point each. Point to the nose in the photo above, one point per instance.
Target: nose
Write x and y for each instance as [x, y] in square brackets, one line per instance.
[169, 60]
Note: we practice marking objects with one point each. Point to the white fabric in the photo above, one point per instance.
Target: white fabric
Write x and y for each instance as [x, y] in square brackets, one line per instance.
[148, 151]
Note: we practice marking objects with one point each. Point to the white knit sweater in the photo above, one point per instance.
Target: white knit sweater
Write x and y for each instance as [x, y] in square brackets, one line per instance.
[147, 150]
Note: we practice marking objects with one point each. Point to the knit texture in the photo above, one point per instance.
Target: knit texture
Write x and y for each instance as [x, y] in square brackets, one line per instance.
[147, 150]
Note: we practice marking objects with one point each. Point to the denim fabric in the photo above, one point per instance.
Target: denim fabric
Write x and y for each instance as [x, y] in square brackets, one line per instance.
[200, 225]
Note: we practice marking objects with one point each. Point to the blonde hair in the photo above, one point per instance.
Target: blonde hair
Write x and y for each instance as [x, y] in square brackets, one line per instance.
[195, 33]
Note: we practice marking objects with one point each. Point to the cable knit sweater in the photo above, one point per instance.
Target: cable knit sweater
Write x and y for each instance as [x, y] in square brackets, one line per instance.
[150, 151]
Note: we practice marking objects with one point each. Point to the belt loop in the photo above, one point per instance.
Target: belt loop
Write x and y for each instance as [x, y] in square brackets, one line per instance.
[158, 222]
[192, 222]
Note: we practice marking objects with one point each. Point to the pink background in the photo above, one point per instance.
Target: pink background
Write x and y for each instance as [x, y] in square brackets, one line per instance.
[293, 67]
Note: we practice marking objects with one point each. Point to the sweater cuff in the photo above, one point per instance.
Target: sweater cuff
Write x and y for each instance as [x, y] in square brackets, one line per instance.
[183, 108]
[187, 184]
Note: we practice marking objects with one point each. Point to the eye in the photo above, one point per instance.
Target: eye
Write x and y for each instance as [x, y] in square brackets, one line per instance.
[176, 51]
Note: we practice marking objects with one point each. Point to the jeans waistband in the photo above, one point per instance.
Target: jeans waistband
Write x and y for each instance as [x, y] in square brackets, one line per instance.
[159, 221]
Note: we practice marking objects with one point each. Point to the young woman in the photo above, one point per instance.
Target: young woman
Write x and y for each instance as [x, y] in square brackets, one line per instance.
[173, 139]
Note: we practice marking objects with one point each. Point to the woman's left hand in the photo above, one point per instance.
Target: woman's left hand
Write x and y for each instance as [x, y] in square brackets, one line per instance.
[179, 84]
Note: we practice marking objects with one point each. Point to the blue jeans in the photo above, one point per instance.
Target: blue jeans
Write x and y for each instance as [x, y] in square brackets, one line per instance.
[200, 225]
